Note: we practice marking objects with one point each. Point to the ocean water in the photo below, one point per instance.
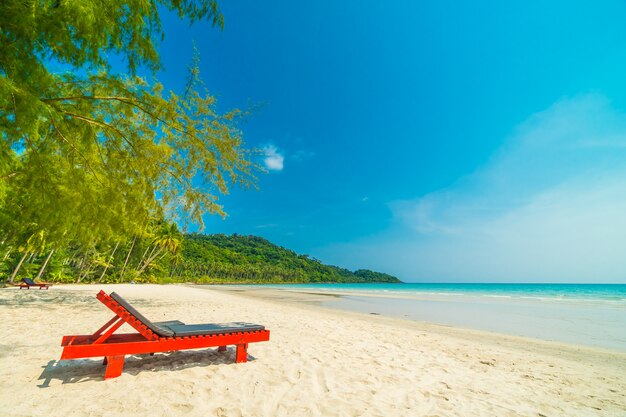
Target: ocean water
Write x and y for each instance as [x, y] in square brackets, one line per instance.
[581, 314]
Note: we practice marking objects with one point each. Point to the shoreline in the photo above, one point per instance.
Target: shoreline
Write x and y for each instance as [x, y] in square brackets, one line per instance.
[318, 362]
[315, 301]
[575, 323]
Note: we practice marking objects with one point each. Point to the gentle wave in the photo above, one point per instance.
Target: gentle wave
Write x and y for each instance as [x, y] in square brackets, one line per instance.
[598, 293]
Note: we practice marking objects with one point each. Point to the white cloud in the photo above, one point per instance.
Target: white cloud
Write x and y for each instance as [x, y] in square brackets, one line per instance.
[550, 205]
[274, 160]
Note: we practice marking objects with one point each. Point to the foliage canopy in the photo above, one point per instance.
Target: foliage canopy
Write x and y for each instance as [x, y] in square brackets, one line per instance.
[90, 156]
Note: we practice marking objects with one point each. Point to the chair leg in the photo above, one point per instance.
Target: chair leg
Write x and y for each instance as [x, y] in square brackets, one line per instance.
[242, 353]
[221, 349]
[115, 364]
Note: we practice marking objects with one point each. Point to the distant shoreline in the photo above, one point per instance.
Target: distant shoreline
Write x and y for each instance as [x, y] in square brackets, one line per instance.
[594, 319]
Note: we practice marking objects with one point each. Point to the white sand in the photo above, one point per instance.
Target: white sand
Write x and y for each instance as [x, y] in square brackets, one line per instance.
[318, 362]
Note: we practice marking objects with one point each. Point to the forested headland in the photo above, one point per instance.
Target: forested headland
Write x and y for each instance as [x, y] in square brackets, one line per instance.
[173, 257]
[254, 259]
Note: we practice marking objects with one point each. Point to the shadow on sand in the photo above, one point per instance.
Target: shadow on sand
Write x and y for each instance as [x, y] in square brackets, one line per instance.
[83, 370]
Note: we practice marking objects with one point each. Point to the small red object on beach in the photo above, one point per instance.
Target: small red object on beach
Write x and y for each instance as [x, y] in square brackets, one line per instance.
[27, 283]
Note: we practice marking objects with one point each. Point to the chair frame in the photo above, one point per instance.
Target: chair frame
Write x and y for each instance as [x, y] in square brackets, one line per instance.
[114, 347]
[41, 285]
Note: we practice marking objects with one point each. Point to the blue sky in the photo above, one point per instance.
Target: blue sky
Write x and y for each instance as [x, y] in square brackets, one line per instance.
[437, 141]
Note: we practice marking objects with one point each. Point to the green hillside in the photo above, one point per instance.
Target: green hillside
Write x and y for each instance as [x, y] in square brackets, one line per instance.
[252, 259]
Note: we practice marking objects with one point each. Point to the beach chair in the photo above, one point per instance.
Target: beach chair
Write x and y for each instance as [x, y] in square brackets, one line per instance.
[155, 337]
[27, 283]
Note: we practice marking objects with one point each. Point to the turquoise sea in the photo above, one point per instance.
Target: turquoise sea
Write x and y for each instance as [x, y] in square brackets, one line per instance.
[614, 292]
[582, 314]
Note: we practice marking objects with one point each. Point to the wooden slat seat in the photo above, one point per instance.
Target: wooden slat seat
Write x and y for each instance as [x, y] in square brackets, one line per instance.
[155, 337]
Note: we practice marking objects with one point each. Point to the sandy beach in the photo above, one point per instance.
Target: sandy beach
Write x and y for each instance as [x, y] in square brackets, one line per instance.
[319, 362]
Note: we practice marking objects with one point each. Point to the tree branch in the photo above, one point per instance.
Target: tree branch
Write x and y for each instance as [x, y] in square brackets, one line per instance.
[135, 103]
[74, 147]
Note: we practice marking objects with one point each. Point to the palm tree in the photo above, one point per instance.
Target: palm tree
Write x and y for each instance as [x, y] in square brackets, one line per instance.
[36, 242]
[167, 240]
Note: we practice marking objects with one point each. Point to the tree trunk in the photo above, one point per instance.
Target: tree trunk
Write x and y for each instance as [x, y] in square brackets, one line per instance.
[148, 261]
[86, 269]
[43, 267]
[81, 265]
[17, 268]
[85, 274]
[127, 257]
[110, 260]
[140, 264]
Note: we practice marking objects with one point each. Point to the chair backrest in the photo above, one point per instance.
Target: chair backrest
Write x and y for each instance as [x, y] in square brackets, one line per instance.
[133, 311]
[29, 281]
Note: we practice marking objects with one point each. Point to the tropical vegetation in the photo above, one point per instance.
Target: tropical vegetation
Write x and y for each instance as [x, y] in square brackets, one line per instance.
[167, 256]
[95, 159]
[253, 259]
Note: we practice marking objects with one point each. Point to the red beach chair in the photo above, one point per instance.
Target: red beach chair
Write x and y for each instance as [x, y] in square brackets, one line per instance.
[27, 283]
[155, 337]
